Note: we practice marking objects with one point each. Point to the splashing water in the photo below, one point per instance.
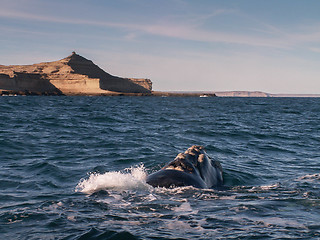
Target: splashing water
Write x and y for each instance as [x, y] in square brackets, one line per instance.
[130, 178]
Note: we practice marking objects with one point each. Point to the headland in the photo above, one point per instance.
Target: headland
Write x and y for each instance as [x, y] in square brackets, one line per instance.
[73, 75]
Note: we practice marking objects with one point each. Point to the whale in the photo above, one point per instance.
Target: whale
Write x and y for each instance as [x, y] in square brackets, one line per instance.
[192, 168]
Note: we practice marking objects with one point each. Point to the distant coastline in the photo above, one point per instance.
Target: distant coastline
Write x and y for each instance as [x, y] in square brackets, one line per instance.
[232, 94]
[78, 76]
[228, 94]
[260, 94]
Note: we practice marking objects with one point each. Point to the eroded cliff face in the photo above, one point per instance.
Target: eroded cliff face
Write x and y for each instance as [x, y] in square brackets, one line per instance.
[73, 75]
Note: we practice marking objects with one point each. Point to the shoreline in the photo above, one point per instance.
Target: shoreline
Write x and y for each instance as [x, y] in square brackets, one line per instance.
[151, 94]
[238, 94]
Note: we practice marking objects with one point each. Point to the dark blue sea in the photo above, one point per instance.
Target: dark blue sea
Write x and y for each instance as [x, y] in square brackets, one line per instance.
[75, 168]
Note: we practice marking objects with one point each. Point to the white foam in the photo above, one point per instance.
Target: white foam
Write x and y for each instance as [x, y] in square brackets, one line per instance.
[71, 218]
[131, 178]
[265, 187]
[310, 177]
[177, 225]
[185, 209]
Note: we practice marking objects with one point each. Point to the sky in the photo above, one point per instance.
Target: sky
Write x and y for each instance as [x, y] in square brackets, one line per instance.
[181, 45]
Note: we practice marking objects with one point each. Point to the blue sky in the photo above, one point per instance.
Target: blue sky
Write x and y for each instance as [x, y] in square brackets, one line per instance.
[271, 46]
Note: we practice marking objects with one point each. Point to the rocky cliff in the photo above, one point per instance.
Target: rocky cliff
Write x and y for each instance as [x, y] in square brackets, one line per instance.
[73, 75]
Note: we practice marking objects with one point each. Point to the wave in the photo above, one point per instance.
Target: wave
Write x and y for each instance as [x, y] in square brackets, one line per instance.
[134, 178]
[130, 178]
[94, 233]
[310, 177]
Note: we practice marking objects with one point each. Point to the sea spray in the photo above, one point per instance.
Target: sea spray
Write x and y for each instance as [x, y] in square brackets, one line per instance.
[130, 178]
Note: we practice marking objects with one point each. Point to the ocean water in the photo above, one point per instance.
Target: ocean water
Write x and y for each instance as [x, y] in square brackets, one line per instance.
[75, 168]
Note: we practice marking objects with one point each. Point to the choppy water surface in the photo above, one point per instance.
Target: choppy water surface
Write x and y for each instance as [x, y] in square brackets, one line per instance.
[75, 168]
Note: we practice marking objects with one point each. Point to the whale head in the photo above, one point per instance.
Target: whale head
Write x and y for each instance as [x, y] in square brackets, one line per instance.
[191, 168]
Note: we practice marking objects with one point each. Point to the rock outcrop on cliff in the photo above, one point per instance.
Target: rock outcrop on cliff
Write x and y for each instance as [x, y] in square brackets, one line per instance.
[73, 75]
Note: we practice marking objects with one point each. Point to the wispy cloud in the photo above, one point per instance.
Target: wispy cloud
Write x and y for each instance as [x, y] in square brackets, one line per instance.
[184, 31]
[316, 50]
[178, 31]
